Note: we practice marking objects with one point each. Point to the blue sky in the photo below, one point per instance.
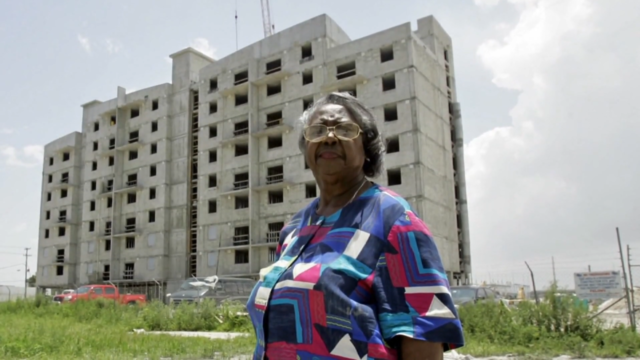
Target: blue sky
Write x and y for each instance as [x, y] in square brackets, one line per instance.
[549, 158]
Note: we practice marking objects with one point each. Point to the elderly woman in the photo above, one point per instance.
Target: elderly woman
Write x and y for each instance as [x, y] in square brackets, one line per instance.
[357, 275]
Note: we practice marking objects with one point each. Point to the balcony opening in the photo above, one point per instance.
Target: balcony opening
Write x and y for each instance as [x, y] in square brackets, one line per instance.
[213, 181]
[241, 127]
[213, 107]
[152, 193]
[130, 243]
[306, 103]
[129, 269]
[152, 216]
[273, 66]
[242, 149]
[59, 270]
[388, 82]
[310, 191]
[131, 198]
[62, 231]
[276, 197]
[152, 171]
[92, 226]
[274, 141]
[391, 112]
[273, 234]
[274, 118]
[47, 215]
[394, 177]
[306, 52]
[64, 178]
[94, 185]
[154, 148]
[63, 193]
[107, 228]
[113, 120]
[242, 202]
[213, 206]
[213, 156]
[346, 70]
[386, 53]
[109, 202]
[48, 196]
[393, 145]
[154, 105]
[112, 143]
[271, 255]
[92, 205]
[50, 178]
[133, 154]
[135, 112]
[107, 245]
[352, 90]
[241, 181]
[46, 233]
[241, 77]
[241, 236]
[306, 164]
[242, 256]
[95, 146]
[66, 156]
[154, 126]
[275, 174]
[60, 256]
[106, 270]
[213, 84]
[94, 165]
[132, 179]
[62, 216]
[131, 225]
[273, 89]
[112, 160]
[446, 55]
[307, 77]
[213, 131]
[133, 136]
[96, 126]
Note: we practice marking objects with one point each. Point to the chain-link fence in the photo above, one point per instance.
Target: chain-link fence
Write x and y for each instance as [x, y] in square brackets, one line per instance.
[8, 292]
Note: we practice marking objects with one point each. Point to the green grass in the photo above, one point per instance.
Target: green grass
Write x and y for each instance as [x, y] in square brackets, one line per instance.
[103, 330]
[97, 330]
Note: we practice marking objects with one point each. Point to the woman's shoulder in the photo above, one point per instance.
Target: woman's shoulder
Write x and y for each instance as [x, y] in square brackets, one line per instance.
[379, 208]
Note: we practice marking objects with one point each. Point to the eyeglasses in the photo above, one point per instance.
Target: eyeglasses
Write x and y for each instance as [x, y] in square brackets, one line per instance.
[343, 131]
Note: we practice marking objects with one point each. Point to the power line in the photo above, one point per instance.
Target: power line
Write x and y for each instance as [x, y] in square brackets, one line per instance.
[7, 267]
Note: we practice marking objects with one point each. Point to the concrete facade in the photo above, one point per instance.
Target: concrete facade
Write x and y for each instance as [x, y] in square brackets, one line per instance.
[197, 176]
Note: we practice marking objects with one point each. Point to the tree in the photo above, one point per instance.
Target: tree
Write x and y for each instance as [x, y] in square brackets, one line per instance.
[31, 282]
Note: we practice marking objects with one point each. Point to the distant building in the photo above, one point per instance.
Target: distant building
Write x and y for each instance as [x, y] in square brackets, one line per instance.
[197, 176]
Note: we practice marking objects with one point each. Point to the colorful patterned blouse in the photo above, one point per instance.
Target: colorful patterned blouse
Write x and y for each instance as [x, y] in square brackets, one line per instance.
[344, 285]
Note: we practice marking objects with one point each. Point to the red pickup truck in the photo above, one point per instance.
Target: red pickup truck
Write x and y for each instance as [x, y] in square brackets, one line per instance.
[89, 292]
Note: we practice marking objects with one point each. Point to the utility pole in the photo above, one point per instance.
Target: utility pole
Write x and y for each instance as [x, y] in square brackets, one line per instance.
[26, 269]
[533, 281]
[633, 298]
[624, 278]
[553, 267]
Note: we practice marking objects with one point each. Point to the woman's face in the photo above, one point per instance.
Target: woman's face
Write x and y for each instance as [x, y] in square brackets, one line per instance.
[334, 154]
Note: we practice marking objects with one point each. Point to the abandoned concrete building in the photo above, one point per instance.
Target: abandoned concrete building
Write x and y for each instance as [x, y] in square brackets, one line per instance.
[196, 177]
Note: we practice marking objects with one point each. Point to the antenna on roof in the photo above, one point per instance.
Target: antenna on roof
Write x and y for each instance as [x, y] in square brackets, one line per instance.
[236, 25]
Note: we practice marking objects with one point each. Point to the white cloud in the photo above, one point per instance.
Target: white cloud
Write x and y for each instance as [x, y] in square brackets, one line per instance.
[27, 157]
[486, 3]
[202, 45]
[113, 46]
[562, 176]
[6, 131]
[85, 43]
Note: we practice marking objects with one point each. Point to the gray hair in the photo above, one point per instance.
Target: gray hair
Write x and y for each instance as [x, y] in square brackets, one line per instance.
[372, 140]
